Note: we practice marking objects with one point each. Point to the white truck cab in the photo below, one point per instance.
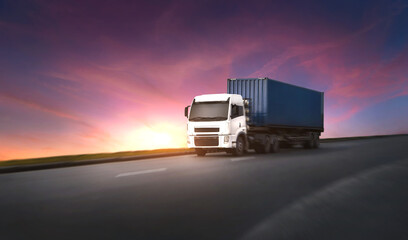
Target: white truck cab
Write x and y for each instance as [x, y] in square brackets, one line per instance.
[217, 122]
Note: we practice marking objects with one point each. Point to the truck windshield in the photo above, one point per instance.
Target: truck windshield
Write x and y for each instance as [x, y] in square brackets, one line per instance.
[209, 111]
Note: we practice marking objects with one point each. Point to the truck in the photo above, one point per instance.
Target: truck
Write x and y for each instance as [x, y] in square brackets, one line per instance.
[256, 113]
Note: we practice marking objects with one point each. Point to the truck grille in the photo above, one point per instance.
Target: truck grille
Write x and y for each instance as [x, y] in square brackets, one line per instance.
[207, 129]
[206, 141]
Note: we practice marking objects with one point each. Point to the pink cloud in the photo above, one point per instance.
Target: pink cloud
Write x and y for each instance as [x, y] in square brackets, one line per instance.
[33, 105]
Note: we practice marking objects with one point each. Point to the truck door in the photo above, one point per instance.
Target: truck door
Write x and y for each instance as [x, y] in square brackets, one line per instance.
[237, 120]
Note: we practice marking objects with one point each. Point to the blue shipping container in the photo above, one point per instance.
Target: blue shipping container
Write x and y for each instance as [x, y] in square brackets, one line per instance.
[278, 104]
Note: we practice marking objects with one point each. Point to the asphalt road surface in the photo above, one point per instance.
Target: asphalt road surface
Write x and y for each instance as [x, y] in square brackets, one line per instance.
[344, 190]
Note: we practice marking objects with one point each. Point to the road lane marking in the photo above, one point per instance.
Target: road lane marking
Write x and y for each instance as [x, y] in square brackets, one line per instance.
[241, 159]
[141, 172]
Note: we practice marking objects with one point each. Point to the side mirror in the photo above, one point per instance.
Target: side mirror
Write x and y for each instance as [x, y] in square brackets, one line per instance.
[186, 111]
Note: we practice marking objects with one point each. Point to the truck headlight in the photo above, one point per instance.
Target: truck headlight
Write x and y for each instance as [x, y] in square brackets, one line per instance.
[226, 139]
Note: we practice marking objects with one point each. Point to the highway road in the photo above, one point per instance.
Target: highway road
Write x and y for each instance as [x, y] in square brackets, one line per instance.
[344, 190]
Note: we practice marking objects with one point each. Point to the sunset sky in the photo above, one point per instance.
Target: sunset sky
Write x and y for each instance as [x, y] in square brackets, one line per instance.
[105, 76]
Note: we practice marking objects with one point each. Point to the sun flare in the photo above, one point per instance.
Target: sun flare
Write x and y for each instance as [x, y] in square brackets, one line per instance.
[155, 137]
[162, 139]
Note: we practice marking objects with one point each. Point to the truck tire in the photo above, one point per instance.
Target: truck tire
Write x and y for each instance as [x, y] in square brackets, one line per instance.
[267, 146]
[309, 143]
[240, 147]
[200, 152]
[316, 141]
[275, 146]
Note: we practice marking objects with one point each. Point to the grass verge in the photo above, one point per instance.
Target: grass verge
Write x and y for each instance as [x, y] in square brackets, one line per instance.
[82, 157]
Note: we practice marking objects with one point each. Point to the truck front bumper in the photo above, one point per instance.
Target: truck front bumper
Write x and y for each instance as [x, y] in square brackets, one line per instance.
[210, 141]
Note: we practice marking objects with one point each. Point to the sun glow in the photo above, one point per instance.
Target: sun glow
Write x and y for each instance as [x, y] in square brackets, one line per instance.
[162, 139]
[155, 137]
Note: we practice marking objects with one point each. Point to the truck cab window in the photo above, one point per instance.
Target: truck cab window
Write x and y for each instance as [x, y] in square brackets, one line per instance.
[236, 111]
[240, 111]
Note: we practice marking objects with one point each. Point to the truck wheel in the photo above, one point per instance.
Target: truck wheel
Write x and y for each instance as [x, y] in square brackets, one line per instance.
[200, 152]
[267, 147]
[240, 147]
[264, 148]
[275, 146]
[316, 141]
[309, 143]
